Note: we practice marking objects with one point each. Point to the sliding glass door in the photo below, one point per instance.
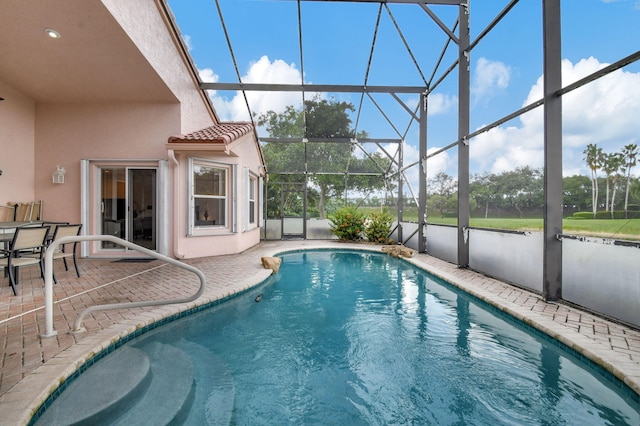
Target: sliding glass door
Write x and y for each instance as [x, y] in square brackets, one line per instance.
[128, 209]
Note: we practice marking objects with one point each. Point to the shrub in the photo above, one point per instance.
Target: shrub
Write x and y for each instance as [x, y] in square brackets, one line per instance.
[347, 223]
[583, 215]
[617, 214]
[378, 227]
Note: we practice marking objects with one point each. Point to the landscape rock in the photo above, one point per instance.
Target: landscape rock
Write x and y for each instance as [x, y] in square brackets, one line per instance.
[398, 251]
[272, 263]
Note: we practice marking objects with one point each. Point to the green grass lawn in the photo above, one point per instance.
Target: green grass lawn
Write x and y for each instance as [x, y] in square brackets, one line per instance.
[606, 228]
[623, 229]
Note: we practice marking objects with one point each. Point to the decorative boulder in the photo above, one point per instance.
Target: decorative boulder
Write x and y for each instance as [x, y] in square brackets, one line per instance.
[397, 251]
[272, 263]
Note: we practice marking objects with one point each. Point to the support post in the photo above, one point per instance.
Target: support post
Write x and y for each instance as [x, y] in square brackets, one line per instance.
[464, 65]
[400, 193]
[422, 188]
[553, 202]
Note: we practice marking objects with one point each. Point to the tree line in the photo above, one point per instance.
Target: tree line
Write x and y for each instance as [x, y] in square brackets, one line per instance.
[327, 166]
[324, 168]
[617, 168]
[520, 193]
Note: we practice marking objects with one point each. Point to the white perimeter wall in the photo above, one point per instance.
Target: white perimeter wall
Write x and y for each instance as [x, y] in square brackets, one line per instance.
[602, 276]
[598, 274]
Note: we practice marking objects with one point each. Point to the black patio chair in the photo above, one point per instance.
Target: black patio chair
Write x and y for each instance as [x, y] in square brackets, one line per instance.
[66, 250]
[26, 249]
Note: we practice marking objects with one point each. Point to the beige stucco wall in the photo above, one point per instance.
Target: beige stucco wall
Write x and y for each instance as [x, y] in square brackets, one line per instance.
[17, 117]
[208, 245]
[66, 134]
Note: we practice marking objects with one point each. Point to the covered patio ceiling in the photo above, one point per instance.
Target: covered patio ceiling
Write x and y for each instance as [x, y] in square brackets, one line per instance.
[94, 60]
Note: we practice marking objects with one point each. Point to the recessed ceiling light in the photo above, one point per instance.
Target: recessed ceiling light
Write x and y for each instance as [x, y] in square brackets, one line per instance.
[52, 33]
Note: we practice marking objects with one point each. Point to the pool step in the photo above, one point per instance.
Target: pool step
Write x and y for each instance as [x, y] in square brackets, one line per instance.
[169, 398]
[129, 387]
[111, 386]
[214, 381]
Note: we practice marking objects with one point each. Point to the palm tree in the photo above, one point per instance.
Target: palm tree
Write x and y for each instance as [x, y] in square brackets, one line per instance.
[613, 164]
[609, 167]
[594, 158]
[630, 152]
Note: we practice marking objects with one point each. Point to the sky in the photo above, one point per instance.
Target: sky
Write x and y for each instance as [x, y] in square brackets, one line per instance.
[506, 70]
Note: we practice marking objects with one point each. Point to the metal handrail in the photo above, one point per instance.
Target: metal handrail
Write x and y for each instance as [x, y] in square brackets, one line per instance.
[77, 327]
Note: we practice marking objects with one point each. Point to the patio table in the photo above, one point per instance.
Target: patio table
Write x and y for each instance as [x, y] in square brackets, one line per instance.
[11, 226]
[7, 229]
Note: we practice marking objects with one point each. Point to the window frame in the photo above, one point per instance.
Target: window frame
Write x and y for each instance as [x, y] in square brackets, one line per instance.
[251, 200]
[195, 229]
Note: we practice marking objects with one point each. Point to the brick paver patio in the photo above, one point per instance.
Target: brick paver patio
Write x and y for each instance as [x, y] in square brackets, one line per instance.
[31, 366]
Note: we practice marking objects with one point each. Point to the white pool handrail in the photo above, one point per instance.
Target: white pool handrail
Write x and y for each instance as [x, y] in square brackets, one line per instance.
[77, 327]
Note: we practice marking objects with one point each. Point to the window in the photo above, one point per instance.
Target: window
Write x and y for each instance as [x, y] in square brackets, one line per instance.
[210, 196]
[253, 184]
[251, 202]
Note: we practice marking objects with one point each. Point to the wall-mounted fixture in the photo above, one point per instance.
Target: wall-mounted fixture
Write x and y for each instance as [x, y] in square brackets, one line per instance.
[58, 175]
[52, 33]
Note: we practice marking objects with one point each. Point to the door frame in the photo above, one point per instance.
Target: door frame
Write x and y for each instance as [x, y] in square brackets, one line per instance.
[90, 204]
[283, 218]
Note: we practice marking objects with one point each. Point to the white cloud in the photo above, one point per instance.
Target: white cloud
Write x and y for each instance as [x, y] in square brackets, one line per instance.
[410, 155]
[233, 107]
[208, 76]
[604, 112]
[262, 71]
[435, 165]
[489, 78]
[187, 41]
[438, 163]
[506, 148]
[440, 104]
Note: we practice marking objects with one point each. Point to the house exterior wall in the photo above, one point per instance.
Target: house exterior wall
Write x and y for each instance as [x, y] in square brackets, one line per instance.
[153, 39]
[17, 146]
[38, 136]
[213, 245]
[66, 134]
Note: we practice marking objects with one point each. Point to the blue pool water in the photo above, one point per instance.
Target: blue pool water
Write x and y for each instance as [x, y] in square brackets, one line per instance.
[340, 337]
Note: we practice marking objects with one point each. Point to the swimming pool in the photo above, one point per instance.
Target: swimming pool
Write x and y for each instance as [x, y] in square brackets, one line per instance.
[341, 337]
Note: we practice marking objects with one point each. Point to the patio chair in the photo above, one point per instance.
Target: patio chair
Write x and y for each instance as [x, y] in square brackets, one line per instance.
[63, 252]
[23, 211]
[26, 249]
[36, 210]
[7, 213]
[27, 212]
[52, 229]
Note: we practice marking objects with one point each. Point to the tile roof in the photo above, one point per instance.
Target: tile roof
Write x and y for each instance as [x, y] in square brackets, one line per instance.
[222, 133]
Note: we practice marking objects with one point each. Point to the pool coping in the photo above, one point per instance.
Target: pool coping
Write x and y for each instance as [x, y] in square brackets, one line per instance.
[21, 402]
